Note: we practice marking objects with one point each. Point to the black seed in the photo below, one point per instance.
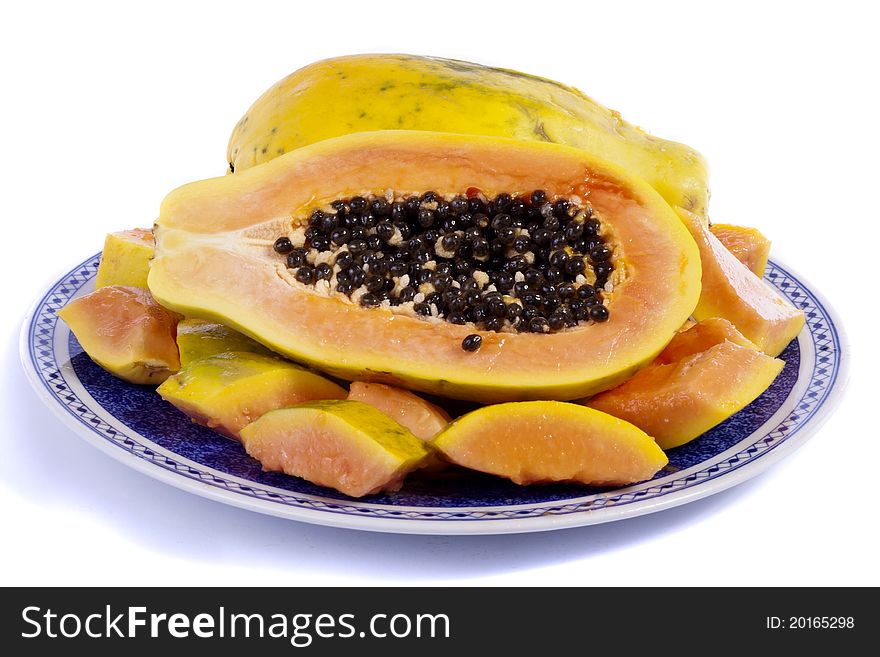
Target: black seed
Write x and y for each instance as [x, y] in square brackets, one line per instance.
[598, 313]
[406, 230]
[357, 246]
[311, 233]
[603, 269]
[369, 300]
[343, 288]
[557, 241]
[374, 243]
[368, 220]
[473, 297]
[430, 197]
[458, 205]
[465, 221]
[444, 210]
[411, 205]
[542, 236]
[533, 277]
[496, 307]
[575, 266]
[424, 276]
[504, 281]
[344, 260]
[521, 244]
[434, 298]
[594, 301]
[323, 271]
[548, 289]
[305, 274]
[516, 263]
[316, 218]
[472, 342]
[475, 205]
[398, 211]
[340, 236]
[556, 321]
[426, 217]
[329, 223]
[586, 291]
[374, 283]
[342, 278]
[385, 230]
[559, 259]
[379, 266]
[530, 312]
[455, 318]
[494, 324]
[321, 243]
[296, 258]
[357, 275]
[502, 202]
[538, 324]
[574, 230]
[532, 299]
[359, 233]
[357, 204]
[553, 274]
[464, 267]
[517, 208]
[520, 288]
[443, 269]
[283, 245]
[481, 221]
[565, 290]
[514, 310]
[407, 293]
[591, 227]
[539, 196]
[457, 303]
[450, 224]
[422, 308]
[600, 254]
[560, 208]
[380, 206]
[442, 281]
[451, 242]
[480, 247]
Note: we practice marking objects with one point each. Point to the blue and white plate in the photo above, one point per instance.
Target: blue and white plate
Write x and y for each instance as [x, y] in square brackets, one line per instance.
[133, 424]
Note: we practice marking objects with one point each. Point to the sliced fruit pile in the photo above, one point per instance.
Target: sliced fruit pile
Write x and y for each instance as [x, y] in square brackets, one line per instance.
[554, 266]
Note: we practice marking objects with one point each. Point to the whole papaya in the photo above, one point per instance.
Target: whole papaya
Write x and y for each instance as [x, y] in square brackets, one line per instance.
[364, 93]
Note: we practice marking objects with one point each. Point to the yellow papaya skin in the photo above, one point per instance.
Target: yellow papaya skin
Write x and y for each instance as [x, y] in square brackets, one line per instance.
[362, 93]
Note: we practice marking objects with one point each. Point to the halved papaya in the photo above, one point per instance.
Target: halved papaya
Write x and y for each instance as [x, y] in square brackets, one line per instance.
[259, 252]
[544, 441]
[228, 391]
[125, 259]
[706, 374]
[126, 332]
[346, 445]
[732, 291]
[748, 245]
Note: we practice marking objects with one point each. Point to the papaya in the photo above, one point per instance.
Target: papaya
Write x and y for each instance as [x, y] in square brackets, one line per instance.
[706, 374]
[346, 445]
[547, 441]
[423, 419]
[363, 93]
[126, 332]
[199, 338]
[478, 268]
[125, 259]
[748, 245]
[732, 291]
[228, 391]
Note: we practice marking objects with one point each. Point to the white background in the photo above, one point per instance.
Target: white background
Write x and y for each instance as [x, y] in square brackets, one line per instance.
[105, 108]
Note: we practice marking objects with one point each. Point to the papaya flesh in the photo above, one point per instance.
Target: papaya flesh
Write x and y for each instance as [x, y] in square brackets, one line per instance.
[705, 375]
[748, 245]
[421, 417]
[228, 391]
[732, 291]
[125, 259]
[215, 259]
[126, 332]
[346, 445]
[546, 441]
[363, 93]
[198, 338]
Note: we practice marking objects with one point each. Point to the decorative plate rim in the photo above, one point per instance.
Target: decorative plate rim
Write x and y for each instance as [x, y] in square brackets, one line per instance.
[648, 497]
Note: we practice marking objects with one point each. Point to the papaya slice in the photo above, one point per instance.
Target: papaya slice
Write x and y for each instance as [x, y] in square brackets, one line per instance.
[748, 245]
[362, 93]
[228, 391]
[218, 244]
[732, 291]
[346, 445]
[705, 375]
[198, 338]
[126, 332]
[421, 417]
[546, 441]
[125, 259]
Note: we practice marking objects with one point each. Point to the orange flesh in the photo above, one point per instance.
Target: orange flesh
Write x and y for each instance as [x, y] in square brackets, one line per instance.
[730, 290]
[747, 245]
[533, 442]
[125, 331]
[655, 269]
[702, 378]
[422, 418]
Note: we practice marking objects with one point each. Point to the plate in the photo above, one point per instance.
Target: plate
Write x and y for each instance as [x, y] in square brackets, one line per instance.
[134, 425]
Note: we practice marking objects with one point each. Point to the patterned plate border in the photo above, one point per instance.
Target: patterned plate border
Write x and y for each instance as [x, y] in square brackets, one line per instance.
[823, 337]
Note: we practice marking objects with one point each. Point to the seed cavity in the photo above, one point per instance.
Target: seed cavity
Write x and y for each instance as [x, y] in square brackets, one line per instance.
[515, 263]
